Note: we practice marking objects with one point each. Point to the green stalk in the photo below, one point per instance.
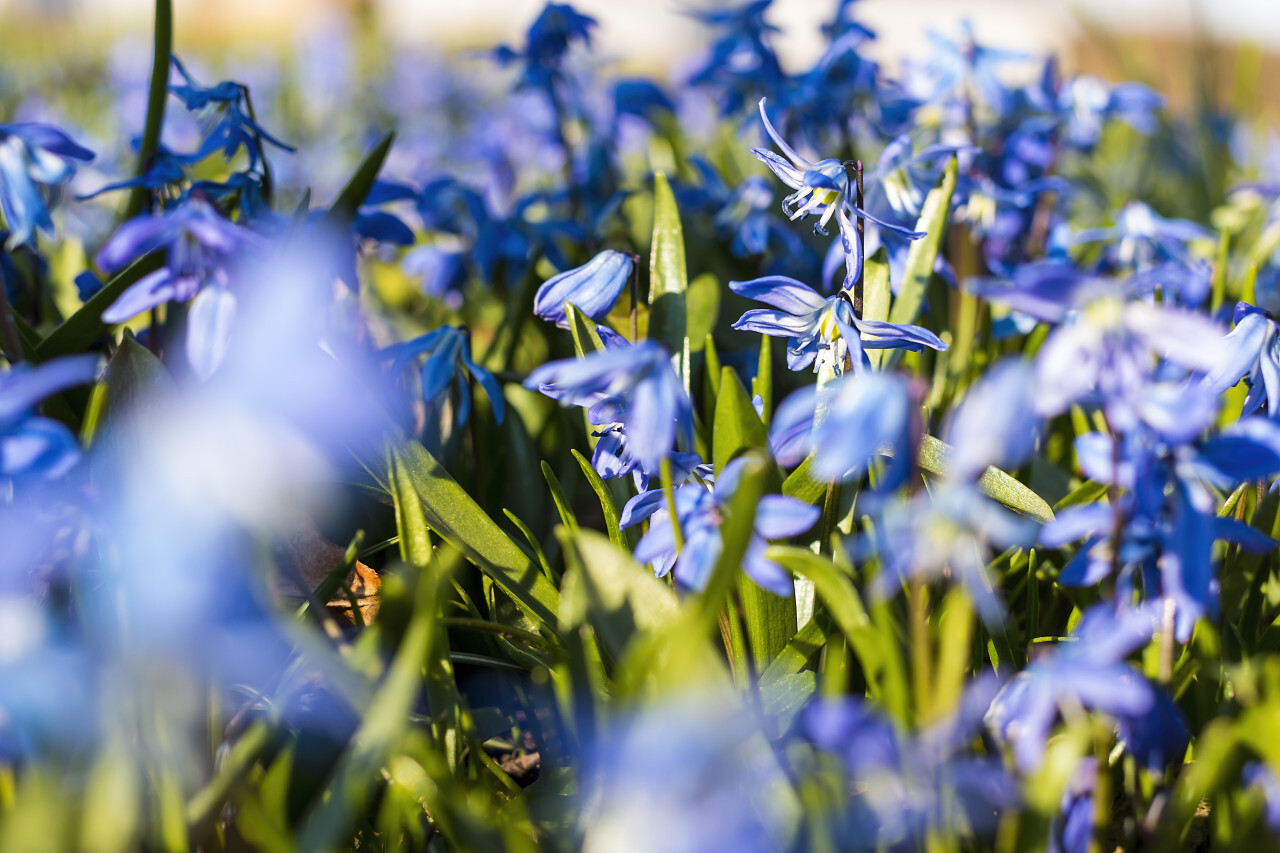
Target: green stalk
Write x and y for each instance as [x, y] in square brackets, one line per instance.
[156, 97]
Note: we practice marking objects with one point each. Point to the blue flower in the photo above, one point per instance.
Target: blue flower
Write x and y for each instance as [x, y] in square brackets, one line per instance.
[1169, 516]
[448, 352]
[996, 423]
[31, 445]
[701, 511]
[632, 388]
[863, 415]
[592, 288]
[960, 68]
[823, 331]
[224, 110]
[903, 787]
[1254, 354]
[199, 244]
[549, 38]
[33, 158]
[1087, 671]
[1156, 250]
[949, 532]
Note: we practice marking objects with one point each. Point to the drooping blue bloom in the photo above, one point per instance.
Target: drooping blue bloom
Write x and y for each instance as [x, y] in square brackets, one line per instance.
[166, 170]
[962, 68]
[950, 532]
[448, 364]
[1156, 250]
[380, 225]
[1086, 103]
[34, 158]
[1088, 670]
[557, 27]
[1106, 355]
[224, 112]
[845, 424]
[592, 288]
[822, 190]
[996, 423]
[701, 510]
[742, 64]
[823, 331]
[903, 787]
[199, 245]
[1254, 354]
[631, 387]
[32, 445]
[1169, 516]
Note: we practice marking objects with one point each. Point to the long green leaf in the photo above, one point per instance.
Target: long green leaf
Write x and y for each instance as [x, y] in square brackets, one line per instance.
[669, 279]
[880, 658]
[558, 497]
[82, 328]
[384, 723]
[923, 252]
[737, 426]
[415, 540]
[876, 295]
[456, 518]
[157, 96]
[353, 194]
[606, 587]
[607, 506]
[132, 375]
[935, 457]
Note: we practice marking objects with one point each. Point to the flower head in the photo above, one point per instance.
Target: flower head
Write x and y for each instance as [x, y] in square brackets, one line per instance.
[448, 352]
[631, 387]
[31, 445]
[592, 288]
[823, 331]
[33, 157]
[700, 512]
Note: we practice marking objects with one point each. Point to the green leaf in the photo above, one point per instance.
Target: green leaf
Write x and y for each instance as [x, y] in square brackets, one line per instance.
[923, 252]
[606, 587]
[607, 506]
[877, 651]
[668, 279]
[876, 295]
[82, 328]
[385, 721]
[157, 97]
[586, 339]
[769, 620]
[737, 426]
[132, 376]
[797, 654]
[1087, 492]
[703, 305]
[455, 517]
[802, 485]
[353, 194]
[557, 495]
[782, 698]
[935, 457]
[415, 540]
